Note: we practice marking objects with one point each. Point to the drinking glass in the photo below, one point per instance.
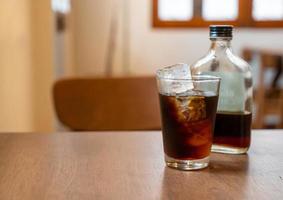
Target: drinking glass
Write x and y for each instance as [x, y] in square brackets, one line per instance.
[188, 107]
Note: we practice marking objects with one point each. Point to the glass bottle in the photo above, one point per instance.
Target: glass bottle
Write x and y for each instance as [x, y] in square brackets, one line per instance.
[232, 132]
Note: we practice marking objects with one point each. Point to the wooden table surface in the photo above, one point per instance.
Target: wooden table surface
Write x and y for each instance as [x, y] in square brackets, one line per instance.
[129, 165]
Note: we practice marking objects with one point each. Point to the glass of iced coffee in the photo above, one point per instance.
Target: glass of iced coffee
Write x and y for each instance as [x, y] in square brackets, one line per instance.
[188, 107]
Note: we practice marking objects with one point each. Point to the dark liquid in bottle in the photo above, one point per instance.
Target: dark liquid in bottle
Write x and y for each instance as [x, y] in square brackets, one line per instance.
[233, 129]
[187, 125]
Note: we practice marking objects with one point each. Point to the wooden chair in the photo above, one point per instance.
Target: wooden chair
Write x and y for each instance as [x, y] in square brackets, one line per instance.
[268, 99]
[89, 104]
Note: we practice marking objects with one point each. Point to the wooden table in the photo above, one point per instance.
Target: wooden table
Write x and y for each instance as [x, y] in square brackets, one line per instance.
[129, 165]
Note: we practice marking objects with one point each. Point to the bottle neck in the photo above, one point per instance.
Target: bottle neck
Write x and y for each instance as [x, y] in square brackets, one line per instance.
[220, 45]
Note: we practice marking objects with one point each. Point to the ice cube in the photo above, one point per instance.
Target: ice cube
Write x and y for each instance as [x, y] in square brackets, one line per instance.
[177, 71]
[192, 108]
[175, 79]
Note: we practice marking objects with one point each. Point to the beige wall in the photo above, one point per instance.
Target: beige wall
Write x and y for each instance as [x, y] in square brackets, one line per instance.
[149, 48]
[25, 65]
[15, 66]
[42, 64]
[91, 36]
[91, 23]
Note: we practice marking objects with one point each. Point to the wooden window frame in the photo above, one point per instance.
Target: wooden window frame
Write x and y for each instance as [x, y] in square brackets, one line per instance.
[244, 20]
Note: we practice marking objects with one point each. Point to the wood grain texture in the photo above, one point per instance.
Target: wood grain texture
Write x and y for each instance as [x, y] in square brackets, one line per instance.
[129, 165]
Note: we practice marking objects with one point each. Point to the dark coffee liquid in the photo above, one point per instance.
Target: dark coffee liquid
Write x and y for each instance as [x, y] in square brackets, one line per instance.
[233, 129]
[188, 127]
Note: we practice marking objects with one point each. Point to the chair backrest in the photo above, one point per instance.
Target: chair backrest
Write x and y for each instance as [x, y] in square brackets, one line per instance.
[266, 104]
[88, 104]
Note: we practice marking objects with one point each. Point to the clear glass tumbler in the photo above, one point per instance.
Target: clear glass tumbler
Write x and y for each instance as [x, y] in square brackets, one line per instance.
[188, 107]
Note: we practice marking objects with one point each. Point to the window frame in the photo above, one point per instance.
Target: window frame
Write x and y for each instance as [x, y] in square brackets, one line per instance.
[245, 19]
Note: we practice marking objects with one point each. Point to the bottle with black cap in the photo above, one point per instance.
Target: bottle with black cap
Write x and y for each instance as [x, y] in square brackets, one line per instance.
[232, 132]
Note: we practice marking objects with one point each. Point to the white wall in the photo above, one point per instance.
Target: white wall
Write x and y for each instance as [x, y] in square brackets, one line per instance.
[152, 48]
[149, 48]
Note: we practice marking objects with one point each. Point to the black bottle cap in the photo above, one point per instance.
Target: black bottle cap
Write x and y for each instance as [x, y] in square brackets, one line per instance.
[221, 31]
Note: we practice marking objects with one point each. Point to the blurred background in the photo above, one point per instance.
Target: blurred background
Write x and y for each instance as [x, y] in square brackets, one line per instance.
[45, 40]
